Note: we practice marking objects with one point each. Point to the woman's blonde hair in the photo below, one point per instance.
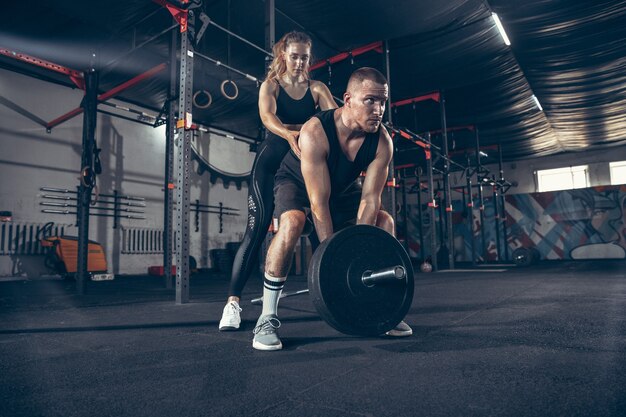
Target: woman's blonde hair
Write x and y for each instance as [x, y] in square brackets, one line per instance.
[278, 67]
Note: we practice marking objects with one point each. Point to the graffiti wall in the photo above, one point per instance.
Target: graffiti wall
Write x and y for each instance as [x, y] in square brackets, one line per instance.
[586, 223]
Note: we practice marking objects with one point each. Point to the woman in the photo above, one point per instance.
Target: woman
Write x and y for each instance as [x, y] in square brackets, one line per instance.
[287, 99]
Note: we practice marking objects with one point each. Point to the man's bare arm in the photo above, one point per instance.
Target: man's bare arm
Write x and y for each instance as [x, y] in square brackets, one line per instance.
[375, 180]
[314, 146]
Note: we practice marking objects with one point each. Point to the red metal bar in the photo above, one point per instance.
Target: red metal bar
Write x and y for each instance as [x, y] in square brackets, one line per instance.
[111, 93]
[412, 139]
[132, 82]
[180, 15]
[75, 76]
[435, 96]
[65, 117]
[404, 166]
[376, 46]
[452, 129]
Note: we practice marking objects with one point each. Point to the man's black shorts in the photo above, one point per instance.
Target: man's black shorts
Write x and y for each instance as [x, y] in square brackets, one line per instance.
[290, 195]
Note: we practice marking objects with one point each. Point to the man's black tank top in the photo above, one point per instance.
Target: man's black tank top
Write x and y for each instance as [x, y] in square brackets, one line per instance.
[294, 112]
[342, 171]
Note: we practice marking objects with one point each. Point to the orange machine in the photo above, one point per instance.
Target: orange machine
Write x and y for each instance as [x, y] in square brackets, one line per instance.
[62, 256]
[66, 252]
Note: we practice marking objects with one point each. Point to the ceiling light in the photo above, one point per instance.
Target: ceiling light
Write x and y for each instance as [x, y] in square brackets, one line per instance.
[505, 38]
[537, 102]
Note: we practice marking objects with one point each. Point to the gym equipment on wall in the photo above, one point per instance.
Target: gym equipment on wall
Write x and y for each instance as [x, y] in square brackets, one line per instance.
[114, 205]
[220, 210]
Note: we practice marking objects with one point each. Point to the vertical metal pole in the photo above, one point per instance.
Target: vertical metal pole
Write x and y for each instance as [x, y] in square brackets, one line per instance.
[481, 202]
[389, 195]
[183, 161]
[116, 209]
[470, 210]
[405, 216]
[168, 187]
[496, 219]
[464, 208]
[270, 29]
[420, 214]
[432, 206]
[503, 206]
[90, 106]
[446, 181]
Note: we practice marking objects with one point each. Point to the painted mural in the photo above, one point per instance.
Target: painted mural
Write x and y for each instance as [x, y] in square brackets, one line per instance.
[586, 223]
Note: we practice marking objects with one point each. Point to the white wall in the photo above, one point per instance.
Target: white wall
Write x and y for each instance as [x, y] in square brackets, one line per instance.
[133, 164]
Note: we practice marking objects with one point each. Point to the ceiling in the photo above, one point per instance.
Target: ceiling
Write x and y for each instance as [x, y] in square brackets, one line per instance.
[571, 54]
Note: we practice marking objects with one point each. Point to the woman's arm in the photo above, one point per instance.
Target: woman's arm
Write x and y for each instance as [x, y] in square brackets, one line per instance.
[267, 111]
[322, 95]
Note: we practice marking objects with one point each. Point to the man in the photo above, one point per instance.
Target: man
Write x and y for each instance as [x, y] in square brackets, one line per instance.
[336, 146]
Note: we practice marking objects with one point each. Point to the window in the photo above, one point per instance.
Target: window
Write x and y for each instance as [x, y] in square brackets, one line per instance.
[562, 178]
[618, 172]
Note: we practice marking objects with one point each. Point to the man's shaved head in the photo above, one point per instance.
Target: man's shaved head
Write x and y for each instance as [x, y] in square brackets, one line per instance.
[362, 74]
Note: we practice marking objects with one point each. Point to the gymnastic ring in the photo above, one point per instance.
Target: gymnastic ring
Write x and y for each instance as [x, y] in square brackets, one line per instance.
[209, 99]
[231, 82]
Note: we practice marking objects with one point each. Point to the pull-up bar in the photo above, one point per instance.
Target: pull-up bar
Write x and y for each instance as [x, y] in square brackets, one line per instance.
[375, 46]
[435, 96]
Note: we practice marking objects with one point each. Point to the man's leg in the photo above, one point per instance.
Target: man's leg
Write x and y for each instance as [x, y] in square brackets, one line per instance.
[385, 222]
[279, 256]
[277, 264]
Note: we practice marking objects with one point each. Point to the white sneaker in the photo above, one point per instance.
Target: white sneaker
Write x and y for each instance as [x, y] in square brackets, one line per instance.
[231, 319]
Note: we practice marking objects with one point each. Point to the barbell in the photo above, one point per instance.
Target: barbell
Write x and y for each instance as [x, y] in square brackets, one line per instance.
[361, 281]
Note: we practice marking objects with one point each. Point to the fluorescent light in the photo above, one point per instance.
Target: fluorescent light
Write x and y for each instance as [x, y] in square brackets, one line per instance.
[537, 102]
[505, 38]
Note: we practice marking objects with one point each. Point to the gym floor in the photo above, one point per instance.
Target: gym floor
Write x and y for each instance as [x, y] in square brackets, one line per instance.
[541, 341]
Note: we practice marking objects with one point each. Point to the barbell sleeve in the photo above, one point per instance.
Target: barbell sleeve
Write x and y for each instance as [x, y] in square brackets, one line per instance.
[390, 274]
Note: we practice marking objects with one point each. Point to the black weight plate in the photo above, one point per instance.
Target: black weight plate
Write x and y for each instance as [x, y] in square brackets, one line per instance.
[522, 256]
[338, 292]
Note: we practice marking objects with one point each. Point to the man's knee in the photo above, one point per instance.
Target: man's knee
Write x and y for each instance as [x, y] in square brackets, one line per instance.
[291, 224]
[385, 222]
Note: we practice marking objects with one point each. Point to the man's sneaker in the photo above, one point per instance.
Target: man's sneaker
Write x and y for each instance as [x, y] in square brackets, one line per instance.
[265, 334]
[401, 330]
[231, 319]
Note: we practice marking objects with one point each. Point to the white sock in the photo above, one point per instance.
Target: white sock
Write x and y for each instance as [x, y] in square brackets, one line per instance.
[272, 288]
